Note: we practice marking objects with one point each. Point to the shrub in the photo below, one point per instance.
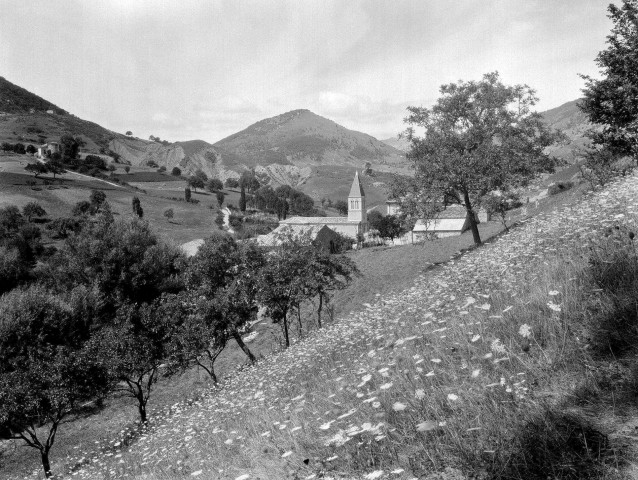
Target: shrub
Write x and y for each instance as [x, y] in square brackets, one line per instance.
[176, 172]
[559, 187]
[161, 169]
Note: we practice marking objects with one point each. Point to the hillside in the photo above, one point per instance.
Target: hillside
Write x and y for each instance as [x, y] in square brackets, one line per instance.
[472, 372]
[298, 148]
[28, 118]
[573, 122]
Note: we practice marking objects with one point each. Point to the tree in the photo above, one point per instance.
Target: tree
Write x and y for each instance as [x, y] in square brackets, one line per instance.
[137, 207]
[168, 213]
[341, 206]
[36, 168]
[19, 148]
[176, 171]
[199, 173]
[326, 274]
[55, 167]
[195, 182]
[375, 219]
[480, 136]
[83, 207]
[220, 198]
[610, 102]
[391, 227]
[222, 275]
[249, 181]
[70, 146]
[135, 346]
[127, 169]
[499, 204]
[129, 133]
[6, 146]
[31, 149]
[46, 372]
[242, 199]
[231, 183]
[33, 209]
[214, 185]
[187, 194]
[161, 169]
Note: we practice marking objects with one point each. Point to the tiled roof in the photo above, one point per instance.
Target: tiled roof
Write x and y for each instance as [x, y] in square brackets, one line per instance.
[315, 220]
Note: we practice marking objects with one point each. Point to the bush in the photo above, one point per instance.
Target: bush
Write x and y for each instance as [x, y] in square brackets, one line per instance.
[161, 169]
[176, 172]
[559, 187]
[613, 321]
[152, 163]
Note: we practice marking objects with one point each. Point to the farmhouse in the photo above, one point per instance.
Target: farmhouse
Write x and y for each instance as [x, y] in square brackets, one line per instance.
[354, 224]
[48, 149]
[453, 220]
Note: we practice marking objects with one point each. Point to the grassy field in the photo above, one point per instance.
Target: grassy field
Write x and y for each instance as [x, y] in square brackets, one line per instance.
[190, 221]
[516, 360]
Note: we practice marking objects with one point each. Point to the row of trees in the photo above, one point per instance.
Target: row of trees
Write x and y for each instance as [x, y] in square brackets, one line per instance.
[114, 310]
[19, 148]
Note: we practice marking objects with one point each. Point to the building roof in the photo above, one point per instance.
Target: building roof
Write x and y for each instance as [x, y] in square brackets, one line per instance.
[440, 225]
[309, 232]
[356, 190]
[315, 220]
[453, 211]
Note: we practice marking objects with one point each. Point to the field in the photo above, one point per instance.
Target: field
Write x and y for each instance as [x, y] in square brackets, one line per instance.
[190, 221]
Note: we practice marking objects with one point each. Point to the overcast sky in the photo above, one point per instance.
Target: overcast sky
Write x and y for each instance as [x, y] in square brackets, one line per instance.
[205, 69]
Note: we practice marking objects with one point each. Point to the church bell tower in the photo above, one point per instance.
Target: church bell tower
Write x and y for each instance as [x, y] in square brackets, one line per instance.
[357, 203]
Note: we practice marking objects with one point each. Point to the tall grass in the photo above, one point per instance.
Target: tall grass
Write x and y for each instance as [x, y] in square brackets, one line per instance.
[494, 365]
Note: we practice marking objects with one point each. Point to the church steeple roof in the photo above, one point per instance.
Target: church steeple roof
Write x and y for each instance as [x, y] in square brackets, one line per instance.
[356, 190]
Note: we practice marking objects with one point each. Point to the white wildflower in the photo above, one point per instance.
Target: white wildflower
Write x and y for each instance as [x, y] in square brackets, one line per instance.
[419, 394]
[525, 331]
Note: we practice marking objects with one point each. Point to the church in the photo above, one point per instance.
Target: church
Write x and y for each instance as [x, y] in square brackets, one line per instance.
[354, 224]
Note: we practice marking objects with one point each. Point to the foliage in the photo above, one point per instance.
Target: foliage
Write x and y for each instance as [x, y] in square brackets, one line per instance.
[195, 182]
[135, 345]
[124, 261]
[70, 146]
[127, 169]
[199, 173]
[45, 370]
[214, 185]
[187, 194]
[242, 199]
[231, 182]
[94, 161]
[33, 209]
[500, 203]
[299, 203]
[168, 213]
[31, 149]
[36, 168]
[128, 133]
[249, 181]
[137, 207]
[480, 137]
[610, 101]
[56, 167]
[176, 171]
[220, 198]
[341, 206]
[19, 148]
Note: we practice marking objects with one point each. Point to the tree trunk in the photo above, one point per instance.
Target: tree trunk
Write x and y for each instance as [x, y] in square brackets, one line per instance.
[46, 465]
[141, 407]
[243, 346]
[286, 336]
[473, 225]
[299, 319]
[319, 310]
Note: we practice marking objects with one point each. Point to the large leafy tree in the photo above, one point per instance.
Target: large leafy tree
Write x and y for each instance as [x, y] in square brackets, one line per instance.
[480, 136]
[46, 371]
[612, 101]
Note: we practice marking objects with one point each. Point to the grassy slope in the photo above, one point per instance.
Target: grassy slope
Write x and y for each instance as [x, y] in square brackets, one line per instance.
[190, 221]
[440, 375]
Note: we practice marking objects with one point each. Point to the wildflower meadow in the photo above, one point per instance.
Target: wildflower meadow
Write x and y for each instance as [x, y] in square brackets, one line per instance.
[479, 370]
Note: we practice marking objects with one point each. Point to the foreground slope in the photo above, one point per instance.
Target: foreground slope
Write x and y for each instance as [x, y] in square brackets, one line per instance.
[466, 371]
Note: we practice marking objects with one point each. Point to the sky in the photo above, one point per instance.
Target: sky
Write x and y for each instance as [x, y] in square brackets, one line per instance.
[190, 69]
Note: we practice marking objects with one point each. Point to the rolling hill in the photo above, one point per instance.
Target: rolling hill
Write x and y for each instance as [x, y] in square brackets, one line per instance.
[28, 118]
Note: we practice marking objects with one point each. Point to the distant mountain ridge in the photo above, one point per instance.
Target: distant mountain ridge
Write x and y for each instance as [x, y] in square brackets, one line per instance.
[303, 138]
